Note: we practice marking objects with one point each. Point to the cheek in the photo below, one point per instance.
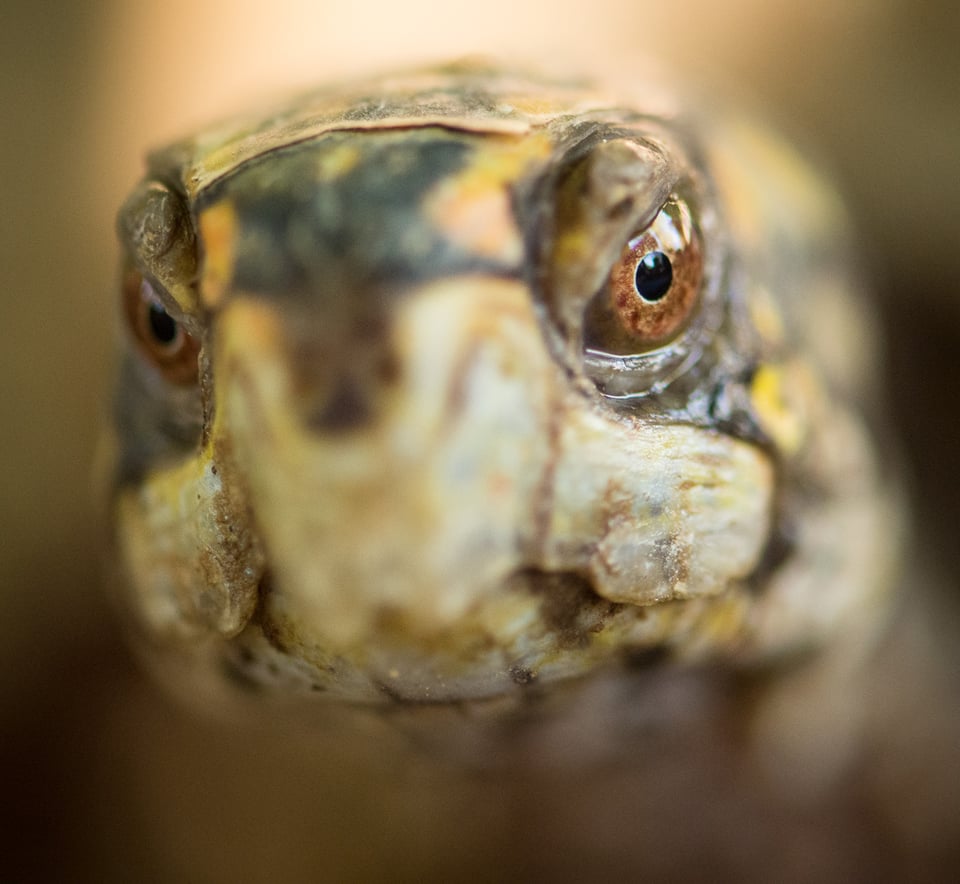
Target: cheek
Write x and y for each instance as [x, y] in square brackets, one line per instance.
[155, 422]
[657, 513]
[191, 563]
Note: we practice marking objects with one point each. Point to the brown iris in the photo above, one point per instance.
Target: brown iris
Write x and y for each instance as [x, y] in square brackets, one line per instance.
[652, 290]
[160, 337]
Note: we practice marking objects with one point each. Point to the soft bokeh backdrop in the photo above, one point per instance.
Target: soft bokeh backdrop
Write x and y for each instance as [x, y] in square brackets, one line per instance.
[105, 779]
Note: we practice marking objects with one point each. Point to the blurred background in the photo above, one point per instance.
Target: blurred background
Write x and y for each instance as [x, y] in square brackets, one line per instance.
[106, 780]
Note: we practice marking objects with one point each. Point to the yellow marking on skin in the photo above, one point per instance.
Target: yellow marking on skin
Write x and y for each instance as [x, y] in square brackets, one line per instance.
[337, 162]
[218, 234]
[571, 246]
[250, 326]
[766, 318]
[778, 395]
[473, 208]
[255, 322]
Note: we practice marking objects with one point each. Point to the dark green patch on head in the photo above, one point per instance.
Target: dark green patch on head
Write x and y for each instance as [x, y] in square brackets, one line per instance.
[308, 234]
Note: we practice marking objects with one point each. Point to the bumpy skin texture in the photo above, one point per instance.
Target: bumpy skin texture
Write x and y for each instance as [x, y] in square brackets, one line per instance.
[400, 475]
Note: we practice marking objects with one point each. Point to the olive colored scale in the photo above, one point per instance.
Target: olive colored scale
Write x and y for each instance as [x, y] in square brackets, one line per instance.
[442, 385]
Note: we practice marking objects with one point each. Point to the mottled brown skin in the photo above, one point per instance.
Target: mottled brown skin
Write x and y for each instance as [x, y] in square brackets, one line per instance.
[406, 472]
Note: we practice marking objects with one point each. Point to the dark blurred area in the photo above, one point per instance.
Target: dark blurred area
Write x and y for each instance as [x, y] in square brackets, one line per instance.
[104, 779]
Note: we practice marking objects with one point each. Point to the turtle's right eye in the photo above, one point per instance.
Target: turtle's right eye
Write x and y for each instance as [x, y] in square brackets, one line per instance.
[161, 339]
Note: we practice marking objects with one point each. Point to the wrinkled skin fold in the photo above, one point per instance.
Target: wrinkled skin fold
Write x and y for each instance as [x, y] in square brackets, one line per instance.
[397, 476]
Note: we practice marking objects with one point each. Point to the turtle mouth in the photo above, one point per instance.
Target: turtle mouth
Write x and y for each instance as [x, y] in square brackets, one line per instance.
[569, 607]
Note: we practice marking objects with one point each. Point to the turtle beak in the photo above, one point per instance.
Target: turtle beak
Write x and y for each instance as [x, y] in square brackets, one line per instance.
[409, 491]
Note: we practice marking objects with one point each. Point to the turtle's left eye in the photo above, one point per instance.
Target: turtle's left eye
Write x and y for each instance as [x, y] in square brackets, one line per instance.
[653, 289]
[159, 336]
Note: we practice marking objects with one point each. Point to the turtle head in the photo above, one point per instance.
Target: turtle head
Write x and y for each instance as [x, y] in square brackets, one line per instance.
[436, 395]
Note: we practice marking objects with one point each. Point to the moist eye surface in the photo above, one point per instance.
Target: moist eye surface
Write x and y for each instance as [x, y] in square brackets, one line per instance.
[653, 289]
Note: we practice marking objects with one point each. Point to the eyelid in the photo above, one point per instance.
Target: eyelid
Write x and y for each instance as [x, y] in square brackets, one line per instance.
[607, 189]
[163, 296]
[156, 230]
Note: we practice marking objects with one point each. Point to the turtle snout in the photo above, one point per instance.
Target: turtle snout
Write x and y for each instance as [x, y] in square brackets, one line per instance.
[400, 482]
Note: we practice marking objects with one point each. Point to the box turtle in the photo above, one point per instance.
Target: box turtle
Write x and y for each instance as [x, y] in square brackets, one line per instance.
[445, 385]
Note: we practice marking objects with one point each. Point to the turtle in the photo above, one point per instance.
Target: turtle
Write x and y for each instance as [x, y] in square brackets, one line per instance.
[459, 383]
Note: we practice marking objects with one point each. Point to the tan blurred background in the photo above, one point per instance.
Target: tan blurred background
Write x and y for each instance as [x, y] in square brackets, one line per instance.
[105, 780]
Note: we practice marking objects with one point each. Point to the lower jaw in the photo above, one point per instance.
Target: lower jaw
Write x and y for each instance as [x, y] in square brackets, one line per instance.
[553, 628]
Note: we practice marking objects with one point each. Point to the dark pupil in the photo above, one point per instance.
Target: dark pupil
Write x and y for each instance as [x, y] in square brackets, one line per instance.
[654, 275]
[162, 327]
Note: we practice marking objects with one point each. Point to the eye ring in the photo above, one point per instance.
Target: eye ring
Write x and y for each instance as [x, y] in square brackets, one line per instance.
[164, 342]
